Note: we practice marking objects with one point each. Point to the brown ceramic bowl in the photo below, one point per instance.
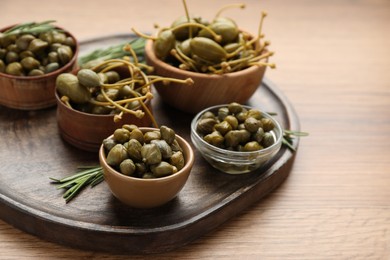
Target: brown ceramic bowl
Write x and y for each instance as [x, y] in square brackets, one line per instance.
[207, 90]
[87, 131]
[33, 92]
[148, 193]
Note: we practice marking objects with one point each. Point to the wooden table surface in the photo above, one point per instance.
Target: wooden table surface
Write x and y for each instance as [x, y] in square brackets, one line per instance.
[333, 60]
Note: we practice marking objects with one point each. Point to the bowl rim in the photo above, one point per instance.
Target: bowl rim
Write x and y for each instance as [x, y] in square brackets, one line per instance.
[187, 167]
[149, 54]
[59, 70]
[266, 150]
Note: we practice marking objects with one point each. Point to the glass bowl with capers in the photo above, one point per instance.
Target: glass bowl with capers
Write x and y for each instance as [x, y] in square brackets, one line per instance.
[235, 138]
[32, 55]
[145, 167]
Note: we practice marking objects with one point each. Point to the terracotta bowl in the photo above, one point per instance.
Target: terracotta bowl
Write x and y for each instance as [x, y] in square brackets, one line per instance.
[87, 131]
[148, 193]
[33, 92]
[207, 90]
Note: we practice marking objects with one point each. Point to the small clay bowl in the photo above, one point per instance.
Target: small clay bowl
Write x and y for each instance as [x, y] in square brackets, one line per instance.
[87, 131]
[207, 90]
[33, 92]
[148, 193]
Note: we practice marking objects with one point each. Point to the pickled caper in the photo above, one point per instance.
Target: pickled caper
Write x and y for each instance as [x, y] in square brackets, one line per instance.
[151, 154]
[206, 125]
[152, 135]
[177, 160]
[223, 127]
[127, 167]
[165, 149]
[121, 135]
[134, 149]
[116, 155]
[215, 138]
[162, 169]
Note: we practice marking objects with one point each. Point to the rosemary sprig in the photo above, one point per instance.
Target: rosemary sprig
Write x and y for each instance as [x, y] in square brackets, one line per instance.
[113, 52]
[288, 136]
[87, 175]
[31, 28]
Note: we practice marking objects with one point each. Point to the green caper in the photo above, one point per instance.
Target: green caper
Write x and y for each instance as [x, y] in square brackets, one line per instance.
[258, 136]
[140, 168]
[3, 52]
[215, 138]
[241, 116]
[232, 121]
[53, 56]
[112, 76]
[222, 113]
[116, 155]
[37, 46]
[252, 146]
[130, 127]
[109, 143]
[13, 47]
[183, 33]
[58, 37]
[206, 125]
[227, 30]
[148, 175]
[268, 139]
[152, 135]
[235, 108]
[70, 41]
[29, 63]
[88, 78]
[14, 68]
[137, 135]
[268, 124]
[164, 44]
[65, 54]
[25, 54]
[121, 135]
[54, 47]
[207, 49]
[255, 113]
[208, 114]
[251, 124]
[165, 149]
[127, 167]
[232, 138]
[162, 169]
[177, 160]
[167, 134]
[36, 72]
[11, 56]
[100, 110]
[23, 41]
[185, 47]
[134, 149]
[46, 36]
[176, 147]
[52, 67]
[151, 154]
[125, 91]
[223, 127]
[68, 85]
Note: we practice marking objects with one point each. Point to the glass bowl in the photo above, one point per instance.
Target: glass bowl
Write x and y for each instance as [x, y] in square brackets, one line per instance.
[235, 162]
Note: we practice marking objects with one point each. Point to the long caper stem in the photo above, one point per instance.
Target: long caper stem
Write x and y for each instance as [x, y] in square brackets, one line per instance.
[188, 18]
[178, 54]
[149, 95]
[137, 113]
[259, 32]
[242, 6]
[145, 36]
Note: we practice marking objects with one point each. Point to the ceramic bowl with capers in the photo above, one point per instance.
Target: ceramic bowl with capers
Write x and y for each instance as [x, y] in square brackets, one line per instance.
[145, 167]
[30, 64]
[234, 138]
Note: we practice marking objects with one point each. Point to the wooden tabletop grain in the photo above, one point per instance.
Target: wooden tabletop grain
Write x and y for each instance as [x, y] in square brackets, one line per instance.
[333, 65]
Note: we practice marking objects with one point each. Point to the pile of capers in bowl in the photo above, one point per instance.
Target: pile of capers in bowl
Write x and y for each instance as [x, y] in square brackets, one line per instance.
[150, 154]
[235, 138]
[236, 128]
[35, 50]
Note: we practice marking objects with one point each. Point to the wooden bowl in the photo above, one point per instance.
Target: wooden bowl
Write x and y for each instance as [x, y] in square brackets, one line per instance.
[87, 131]
[148, 193]
[207, 90]
[33, 92]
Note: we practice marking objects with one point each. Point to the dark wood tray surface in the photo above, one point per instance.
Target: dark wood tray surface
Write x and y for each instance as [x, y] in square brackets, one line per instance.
[32, 151]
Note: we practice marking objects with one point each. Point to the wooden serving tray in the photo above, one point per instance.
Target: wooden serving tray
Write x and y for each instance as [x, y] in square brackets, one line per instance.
[32, 151]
